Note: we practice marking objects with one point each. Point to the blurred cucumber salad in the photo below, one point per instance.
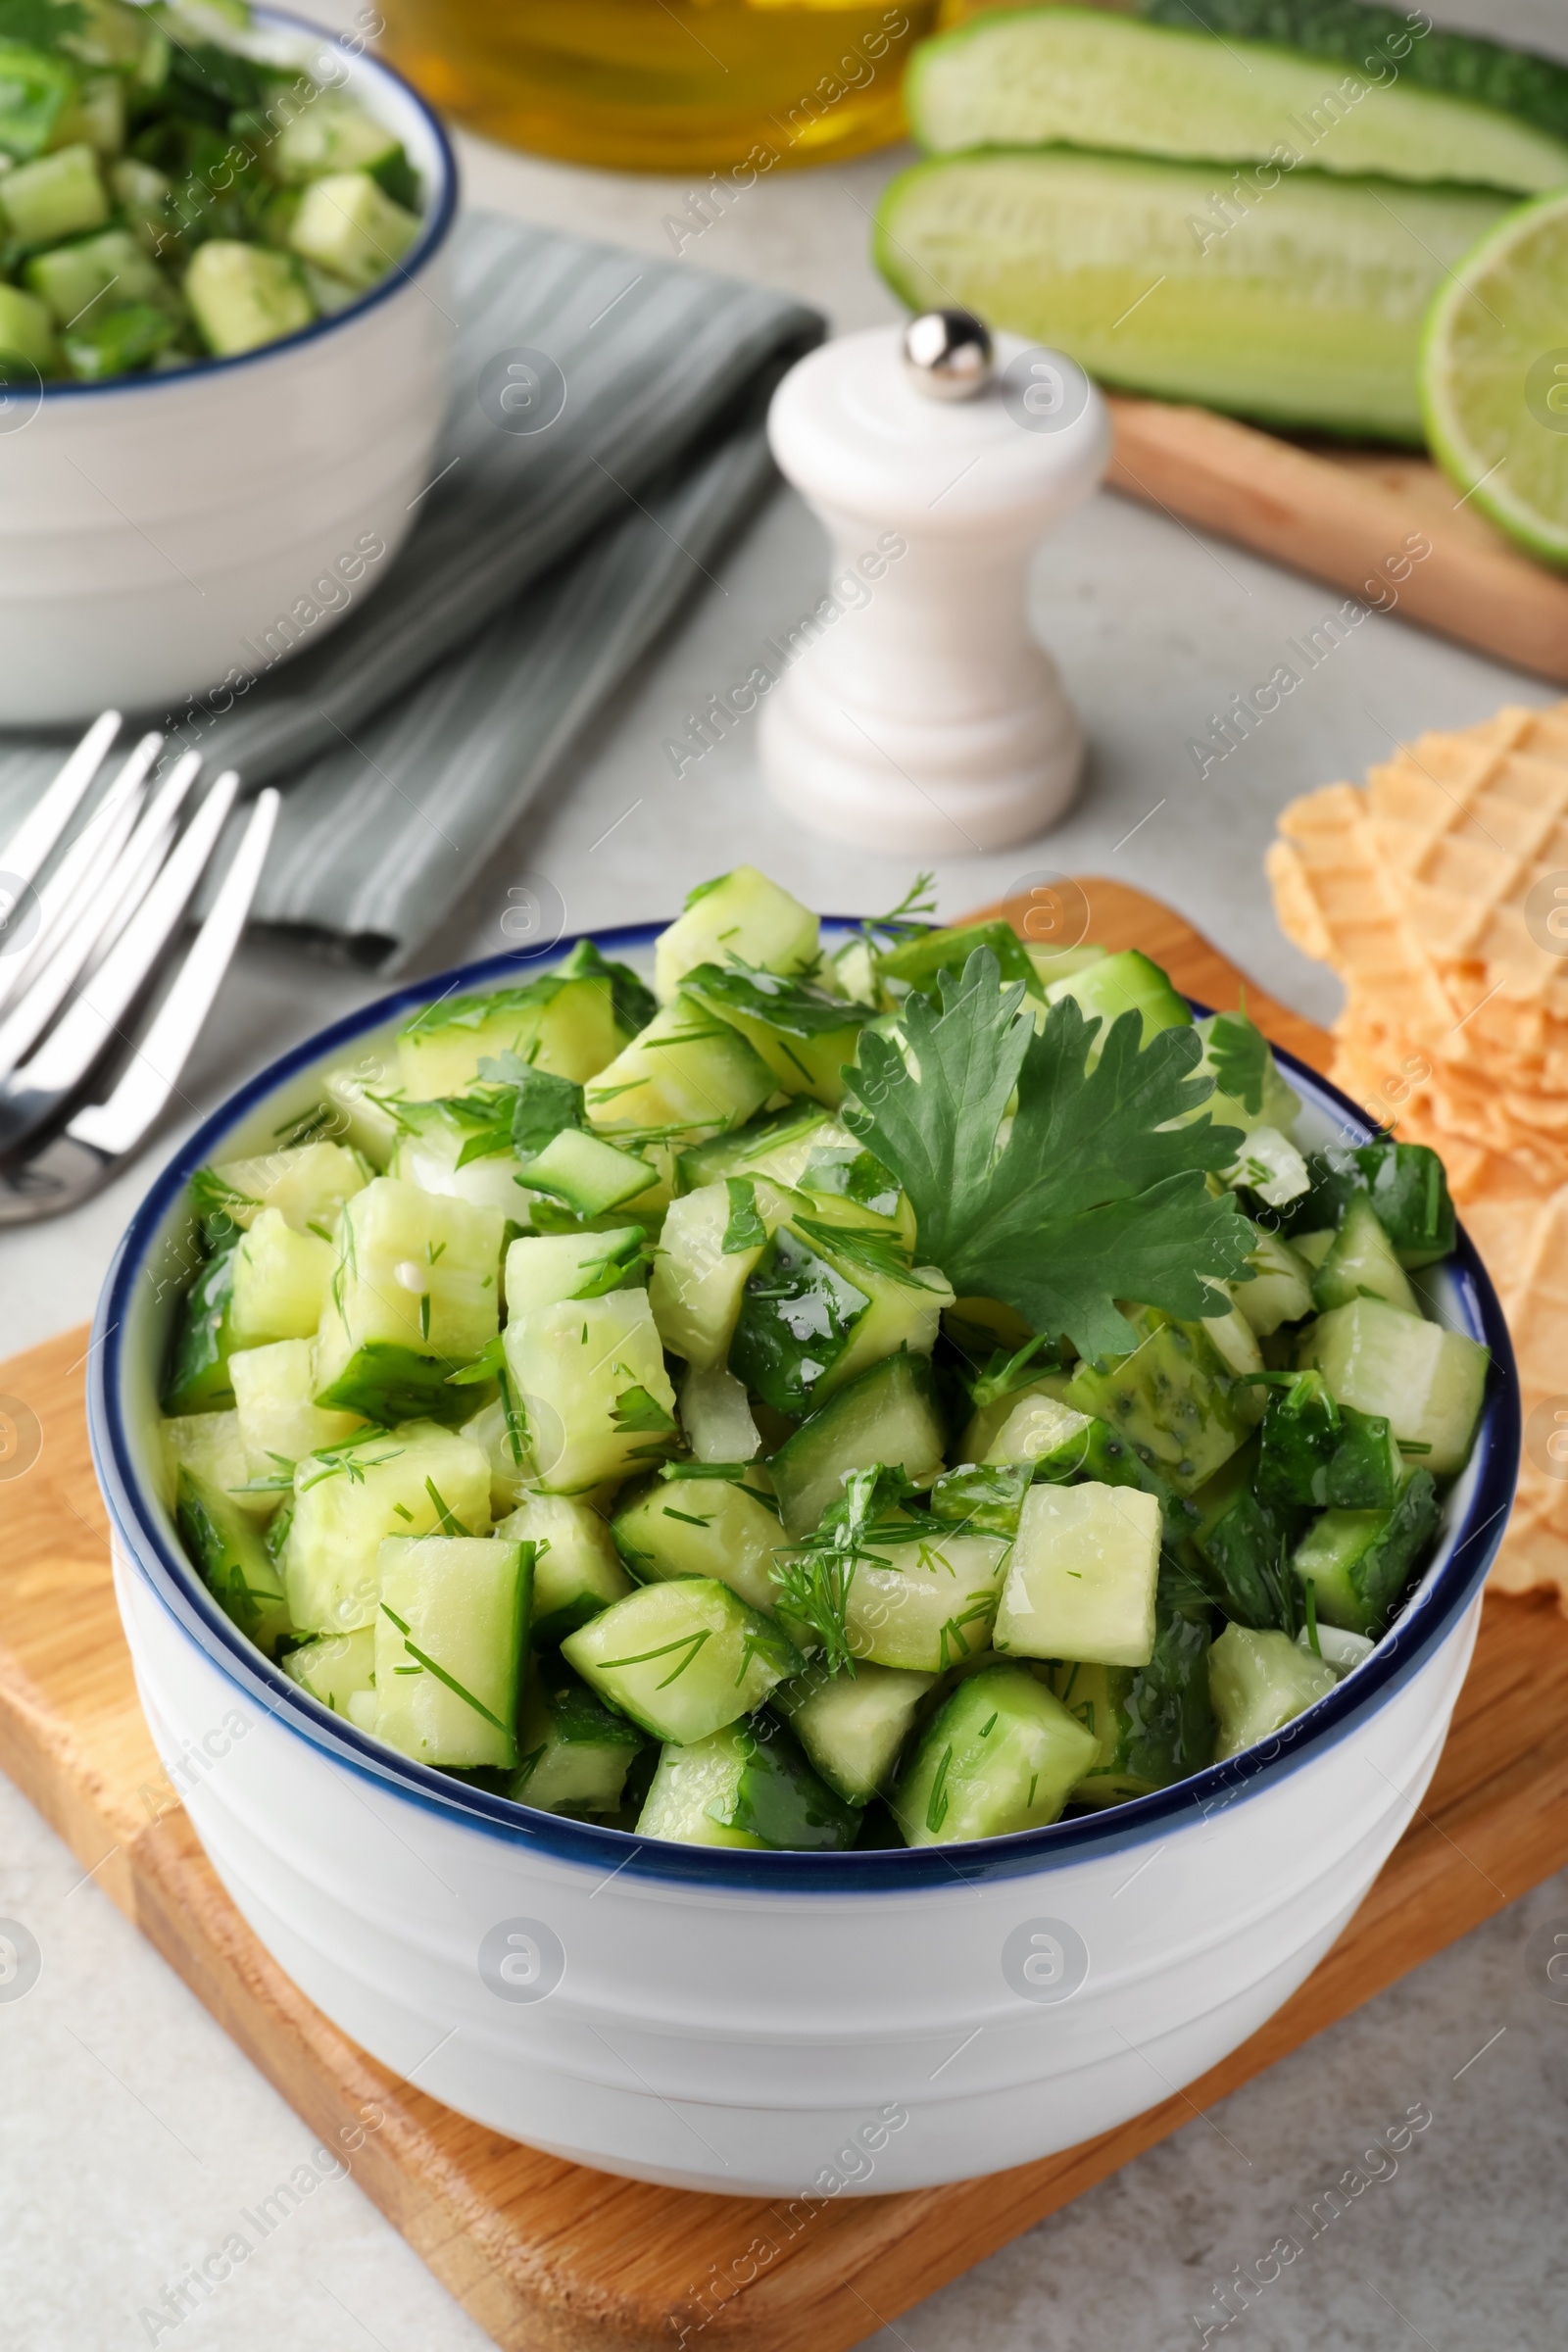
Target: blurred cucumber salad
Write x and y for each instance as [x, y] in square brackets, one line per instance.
[170, 192]
[887, 1395]
[1307, 212]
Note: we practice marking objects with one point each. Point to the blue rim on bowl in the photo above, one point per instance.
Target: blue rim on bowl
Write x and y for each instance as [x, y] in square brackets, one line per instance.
[1464, 1554]
[440, 212]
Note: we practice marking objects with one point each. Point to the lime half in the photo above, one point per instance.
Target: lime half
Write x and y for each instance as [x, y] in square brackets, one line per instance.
[1495, 376]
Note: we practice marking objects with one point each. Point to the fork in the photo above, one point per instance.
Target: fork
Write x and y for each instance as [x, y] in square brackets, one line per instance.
[111, 915]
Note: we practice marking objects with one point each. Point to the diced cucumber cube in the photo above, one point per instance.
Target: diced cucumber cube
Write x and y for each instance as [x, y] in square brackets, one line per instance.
[1280, 1287]
[854, 974]
[71, 278]
[367, 1125]
[35, 90]
[329, 294]
[564, 1027]
[742, 915]
[746, 1785]
[335, 1668]
[1313, 1247]
[701, 1267]
[117, 342]
[97, 115]
[26, 335]
[932, 1606]
[1258, 1683]
[142, 194]
[414, 1481]
[1126, 982]
[1000, 1755]
[347, 225]
[429, 1152]
[591, 1376]
[717, 1416]
[777, 1144]
[1276, 1108]
[683, 1659]
[415, 1295]
[198, 1379]
[576, 1572]
[854, 1726]
[227, 1545]
[501, 1433]
[1406, 1186]
[805, 1035]
[818, 1309]
[212, 1447]
[573, 1752]
[56, 196]
[1426, 1383]
[1360, 1563]
[590, 1175]
[1083, 1575]
[1236, 1345]
[687, 1072]
[329, 134]
[1317, 1454]
[282, 1281]
[1059, 963]
[1038, 1423]
[1362, 1263]
[888, 1415]
[243, 295]
[1155, 1723]
[279, 1419]
[995, 1408]
[1172, 1400]
[700, 1527]
[1268, 1165]
[543, 1269]
[916, 962]
[450, 1630]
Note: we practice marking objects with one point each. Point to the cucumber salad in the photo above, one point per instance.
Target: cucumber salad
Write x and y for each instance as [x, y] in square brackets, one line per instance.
[170, 193]
[882, 1397]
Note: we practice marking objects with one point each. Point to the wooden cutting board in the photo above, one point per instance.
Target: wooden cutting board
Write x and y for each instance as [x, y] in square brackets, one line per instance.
[549, 2256]
[1353, 518]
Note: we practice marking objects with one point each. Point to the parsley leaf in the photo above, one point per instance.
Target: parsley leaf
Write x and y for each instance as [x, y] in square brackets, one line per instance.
[1093, 1197]
[1238, 1053]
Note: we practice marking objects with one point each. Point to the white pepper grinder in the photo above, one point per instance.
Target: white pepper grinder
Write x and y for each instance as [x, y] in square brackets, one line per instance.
[923, 715]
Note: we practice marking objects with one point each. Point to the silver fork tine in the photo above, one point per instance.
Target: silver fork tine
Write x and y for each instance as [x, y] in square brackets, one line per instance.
[118, 1125]
[120, 891]
[77, 1038]
[69, 887]
[42, 826]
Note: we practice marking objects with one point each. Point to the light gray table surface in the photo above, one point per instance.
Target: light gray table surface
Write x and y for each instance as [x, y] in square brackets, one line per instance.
[131, 2131]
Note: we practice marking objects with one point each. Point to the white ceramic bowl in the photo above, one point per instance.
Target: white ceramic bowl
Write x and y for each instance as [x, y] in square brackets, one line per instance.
[164, 535]
[778, 2024]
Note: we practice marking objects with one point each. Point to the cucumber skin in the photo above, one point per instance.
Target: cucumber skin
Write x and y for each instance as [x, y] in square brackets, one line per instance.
[1397, 418]
[1356, 33]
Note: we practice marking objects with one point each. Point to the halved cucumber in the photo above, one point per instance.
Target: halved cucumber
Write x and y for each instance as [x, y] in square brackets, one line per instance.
[1307, 311]
[1031, 77]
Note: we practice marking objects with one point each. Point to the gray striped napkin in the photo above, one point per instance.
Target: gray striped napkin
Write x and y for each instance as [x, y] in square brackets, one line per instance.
[541, 566]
